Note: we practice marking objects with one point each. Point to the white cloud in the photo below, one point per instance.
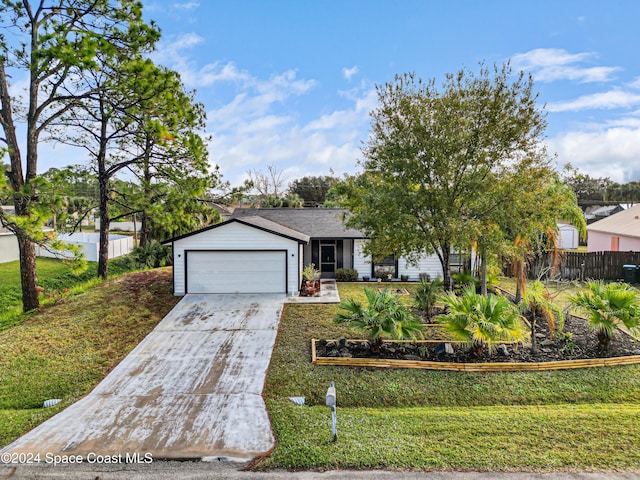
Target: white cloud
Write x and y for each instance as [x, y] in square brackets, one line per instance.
[597, 101]
[186, 5]
[551, 64]
[350, 72]
[258, 128]
[609, 152]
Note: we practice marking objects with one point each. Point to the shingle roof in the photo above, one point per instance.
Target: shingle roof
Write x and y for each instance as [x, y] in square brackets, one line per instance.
[625, 223]
[314, 222]
[252, 221]
[274, 227]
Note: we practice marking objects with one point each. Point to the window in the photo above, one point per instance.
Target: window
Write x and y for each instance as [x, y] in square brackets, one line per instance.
[385, 267]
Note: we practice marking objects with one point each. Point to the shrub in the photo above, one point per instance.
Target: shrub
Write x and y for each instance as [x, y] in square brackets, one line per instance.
[427, 294]
[482, 320]
[346, 275]
[384, 317]
[152, 255]
[310, 273]
[609, 307]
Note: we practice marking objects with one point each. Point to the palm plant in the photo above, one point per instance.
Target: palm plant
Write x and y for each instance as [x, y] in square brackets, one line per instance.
[384, 317]
[482, 320]
[609, 307]
[427, 294]
[538, 303]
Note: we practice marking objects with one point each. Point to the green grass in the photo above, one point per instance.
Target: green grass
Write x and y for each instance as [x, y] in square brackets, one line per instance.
[64, 350]
[444, 420]
[54, 277]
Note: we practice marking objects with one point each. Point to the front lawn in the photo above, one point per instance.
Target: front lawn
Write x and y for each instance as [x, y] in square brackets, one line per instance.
[64, 350]
[53, 276]
[556, 420]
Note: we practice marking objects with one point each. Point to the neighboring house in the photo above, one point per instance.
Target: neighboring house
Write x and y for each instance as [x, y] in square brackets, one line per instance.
[618, 232]
[569, 236]
[9, 250]
[594, 214]
[264, 250]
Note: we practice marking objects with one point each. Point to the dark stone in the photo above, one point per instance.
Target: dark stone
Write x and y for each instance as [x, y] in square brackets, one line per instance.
[546, 343]
[330, 345]
[412, 357]
[342, 342]
[502, 350]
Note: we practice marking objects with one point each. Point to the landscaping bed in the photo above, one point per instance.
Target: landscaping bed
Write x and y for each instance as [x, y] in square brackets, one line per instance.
[575, 343]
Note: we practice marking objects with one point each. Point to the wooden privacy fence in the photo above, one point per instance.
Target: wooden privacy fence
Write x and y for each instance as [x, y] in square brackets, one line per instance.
[582, 265]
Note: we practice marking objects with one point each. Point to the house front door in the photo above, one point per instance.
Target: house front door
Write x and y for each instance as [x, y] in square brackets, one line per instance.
[328, 260]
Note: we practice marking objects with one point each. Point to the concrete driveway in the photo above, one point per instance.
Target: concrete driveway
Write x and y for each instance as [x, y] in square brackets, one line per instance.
[191, 389]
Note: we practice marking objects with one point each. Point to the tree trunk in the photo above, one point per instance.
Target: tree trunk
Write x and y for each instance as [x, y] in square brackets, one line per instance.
[443, 255]
[103, 248]
[603, 341]
[28, 274]
[144, 229]
[534, 340]
[483, 274]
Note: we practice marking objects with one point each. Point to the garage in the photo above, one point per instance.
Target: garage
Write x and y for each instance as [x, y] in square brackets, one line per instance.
[236, 272]
[248, 255]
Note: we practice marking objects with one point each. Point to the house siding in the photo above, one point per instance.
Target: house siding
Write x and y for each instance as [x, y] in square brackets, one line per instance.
[9, 250]
[361, 261]
[601, 242]
[235, 236]
[426, 264]
[429, 264]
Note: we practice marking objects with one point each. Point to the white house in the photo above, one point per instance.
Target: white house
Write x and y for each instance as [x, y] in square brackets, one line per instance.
[246, 254]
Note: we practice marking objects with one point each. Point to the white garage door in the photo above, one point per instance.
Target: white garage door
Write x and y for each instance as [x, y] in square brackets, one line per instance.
[236, 272]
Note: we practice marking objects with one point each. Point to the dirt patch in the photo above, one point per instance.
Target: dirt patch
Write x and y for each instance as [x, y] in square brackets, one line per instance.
[576, 341]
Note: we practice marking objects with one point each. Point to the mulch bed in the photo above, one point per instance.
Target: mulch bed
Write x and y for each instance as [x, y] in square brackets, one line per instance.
[578, 342]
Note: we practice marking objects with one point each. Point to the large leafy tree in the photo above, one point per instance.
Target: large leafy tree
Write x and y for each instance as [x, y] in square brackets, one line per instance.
[436, 158]
[588, 189]
[53, 43]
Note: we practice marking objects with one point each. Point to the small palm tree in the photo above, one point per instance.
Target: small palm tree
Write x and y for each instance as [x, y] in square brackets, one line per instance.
[482, 320]
[427, 294]
[609, 306]
[384, 317]
[538, 303]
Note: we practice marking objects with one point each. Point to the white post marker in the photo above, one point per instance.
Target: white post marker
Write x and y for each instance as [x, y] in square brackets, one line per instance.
[331, 403]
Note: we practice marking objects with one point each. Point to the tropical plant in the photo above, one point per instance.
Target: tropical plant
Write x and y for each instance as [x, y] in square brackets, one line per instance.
[151, 255]
[539, 304]
[310, 273]
[384, 317]
[609, 307]
[427, 294]
[482, 320]
[462, 279]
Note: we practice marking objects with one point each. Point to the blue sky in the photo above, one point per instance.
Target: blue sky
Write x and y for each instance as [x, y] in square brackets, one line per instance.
[291, 83]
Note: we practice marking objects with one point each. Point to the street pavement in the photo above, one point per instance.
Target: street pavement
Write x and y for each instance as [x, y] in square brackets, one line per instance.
[171, 470]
